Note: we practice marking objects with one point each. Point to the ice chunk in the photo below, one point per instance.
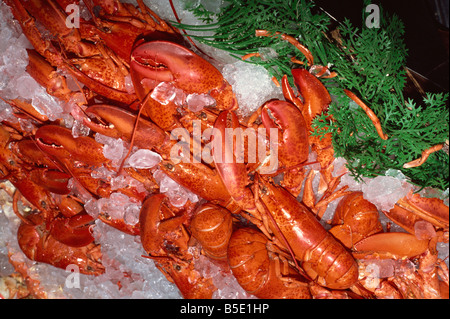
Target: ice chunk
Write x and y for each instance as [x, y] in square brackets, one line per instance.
[178, 195]
[115, 206]
[385, 191]
[26, 86]
[395, 173]
[196, 102]
[252, 85]
[79, 129]
[267, 53]
[131, 215]
[352, 183]
[143, 159]
[165, 93]
[226, 284]
[102, 173]
[113, 148]
[129, 87]
[424, 230]
[213, 5]
[339, 167]
[92, 208]
[47, 105]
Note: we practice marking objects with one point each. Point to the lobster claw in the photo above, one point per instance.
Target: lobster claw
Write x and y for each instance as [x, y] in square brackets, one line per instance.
[163, 61]
[414, 208]
[30, 152]
[121, 125]
[293, 147]
[315, 95]
[74, 231]
[315, 101]
[160, 228]
[232, 171]
[52, 180]
[60, 143]
[390, 245]
[194, 176]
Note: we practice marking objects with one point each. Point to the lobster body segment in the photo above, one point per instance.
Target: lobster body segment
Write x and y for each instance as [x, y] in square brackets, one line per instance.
[212, 227]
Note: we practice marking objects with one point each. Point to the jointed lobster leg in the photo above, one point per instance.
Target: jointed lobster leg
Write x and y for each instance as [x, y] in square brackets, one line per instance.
[369, 112]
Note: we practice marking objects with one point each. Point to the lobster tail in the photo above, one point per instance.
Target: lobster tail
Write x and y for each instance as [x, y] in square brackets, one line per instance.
[331, 265]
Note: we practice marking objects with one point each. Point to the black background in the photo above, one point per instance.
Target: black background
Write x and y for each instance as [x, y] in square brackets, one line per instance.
[425, 38]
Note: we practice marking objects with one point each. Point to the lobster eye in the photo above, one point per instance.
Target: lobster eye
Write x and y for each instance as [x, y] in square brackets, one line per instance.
[169, 166]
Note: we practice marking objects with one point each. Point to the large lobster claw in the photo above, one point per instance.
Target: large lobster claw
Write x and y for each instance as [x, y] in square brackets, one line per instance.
[160, 228]
[390, 245]
[121, 125]
[73, 231]
[232, 171]
[293, 147]
[163, 61]
[316, 100]
[59, 142]
[315, 95]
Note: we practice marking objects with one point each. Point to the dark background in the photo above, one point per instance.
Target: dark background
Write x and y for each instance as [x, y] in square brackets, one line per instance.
[426, 31]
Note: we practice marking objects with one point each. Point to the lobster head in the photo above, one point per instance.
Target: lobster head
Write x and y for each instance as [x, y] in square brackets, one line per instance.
[163, 61]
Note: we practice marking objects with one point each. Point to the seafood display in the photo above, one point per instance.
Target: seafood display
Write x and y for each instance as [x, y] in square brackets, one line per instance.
[148, 139]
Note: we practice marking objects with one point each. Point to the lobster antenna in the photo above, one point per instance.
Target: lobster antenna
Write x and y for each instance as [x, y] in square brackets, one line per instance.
[133, 134]
[185, 33]
[16, 196]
